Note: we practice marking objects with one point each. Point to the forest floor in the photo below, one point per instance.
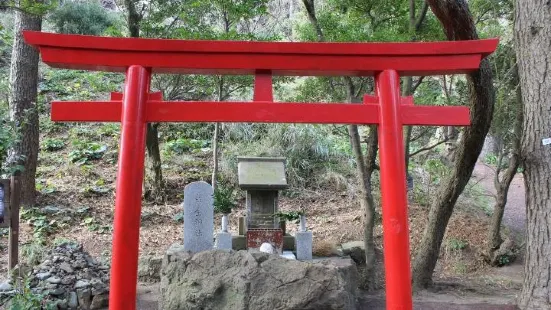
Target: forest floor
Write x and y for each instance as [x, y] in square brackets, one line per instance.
[76, 203]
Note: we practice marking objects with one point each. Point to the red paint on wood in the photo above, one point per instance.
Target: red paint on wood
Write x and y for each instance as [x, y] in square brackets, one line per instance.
[388, 110]
[261, 112]
[257, 236]
[263, 90]
[128, 201]
[282, 58]
[393, 193]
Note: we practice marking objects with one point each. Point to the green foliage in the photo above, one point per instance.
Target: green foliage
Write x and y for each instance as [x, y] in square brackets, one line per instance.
[41, 224]
[93, 225]
[310, 151]
[86, 151]
[9, 136]
[289, 216]
[490, 160]
[52, 144]
[82, 17]
[25, 299]
[78, 85]
[110, 130]
[224, 199]
[183, 145]
[456, 244]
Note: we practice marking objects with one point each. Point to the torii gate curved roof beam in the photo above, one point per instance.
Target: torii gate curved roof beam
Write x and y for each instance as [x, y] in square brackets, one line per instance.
[281, 58]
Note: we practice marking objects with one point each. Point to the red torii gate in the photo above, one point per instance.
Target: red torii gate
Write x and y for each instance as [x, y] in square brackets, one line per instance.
[139, 58]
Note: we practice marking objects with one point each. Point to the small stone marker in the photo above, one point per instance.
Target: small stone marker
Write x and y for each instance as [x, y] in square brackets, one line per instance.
[224, 241]
[198, 217]
[303, 244]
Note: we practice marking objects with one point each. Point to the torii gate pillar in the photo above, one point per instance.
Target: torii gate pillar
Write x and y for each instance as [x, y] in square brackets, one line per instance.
[128, 201]
[393, 192]
[141, 57]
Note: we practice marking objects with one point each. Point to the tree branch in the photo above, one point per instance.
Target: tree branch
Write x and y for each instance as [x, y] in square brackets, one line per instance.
[428, 147]
[421, 17]
[417, 83]
[311, 10]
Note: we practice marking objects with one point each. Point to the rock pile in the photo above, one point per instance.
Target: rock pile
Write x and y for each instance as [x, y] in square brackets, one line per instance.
[71, 279]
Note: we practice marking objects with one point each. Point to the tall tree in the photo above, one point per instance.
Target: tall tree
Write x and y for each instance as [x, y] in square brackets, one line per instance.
[364, 168]
[154, 177]
[532, 33]
[458, 24]
[22, 101]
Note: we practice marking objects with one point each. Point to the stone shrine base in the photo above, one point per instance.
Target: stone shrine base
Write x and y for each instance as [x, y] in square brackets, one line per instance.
[245, 280]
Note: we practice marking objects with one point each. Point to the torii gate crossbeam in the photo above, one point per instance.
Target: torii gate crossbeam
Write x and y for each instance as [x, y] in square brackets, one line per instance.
[139, 58]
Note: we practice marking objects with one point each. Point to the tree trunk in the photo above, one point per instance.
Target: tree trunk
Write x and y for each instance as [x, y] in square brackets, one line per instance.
[533, 41]
[215, 136]
[155, 189]
[494, 240]
[215, 155]
[458, 25]
[364, 169]
[22, 104]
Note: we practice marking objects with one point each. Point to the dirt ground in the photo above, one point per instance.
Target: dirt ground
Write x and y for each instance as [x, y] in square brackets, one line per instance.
[463, 281]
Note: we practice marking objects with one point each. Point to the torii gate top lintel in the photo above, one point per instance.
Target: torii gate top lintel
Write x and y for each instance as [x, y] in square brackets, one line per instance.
[246, 57]
[139, 58]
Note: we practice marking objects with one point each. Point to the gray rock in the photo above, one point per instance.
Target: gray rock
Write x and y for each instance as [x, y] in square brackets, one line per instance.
[96, 283]
[50, 210]
[84, 298]
[53, 280]
[99, 301]
[72, 301]
[5, 286]
[149, 268]
[50, 285]
[66, 267]
[82, 284]
[61, 304]
[43, 275]
[68, 280]
[242, 280]
[56, 292]
[356, 251]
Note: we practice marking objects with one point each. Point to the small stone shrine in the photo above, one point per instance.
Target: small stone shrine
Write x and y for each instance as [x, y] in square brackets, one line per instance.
[262, 178]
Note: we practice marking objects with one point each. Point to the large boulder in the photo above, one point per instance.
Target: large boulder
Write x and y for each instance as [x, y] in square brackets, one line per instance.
[248, 281]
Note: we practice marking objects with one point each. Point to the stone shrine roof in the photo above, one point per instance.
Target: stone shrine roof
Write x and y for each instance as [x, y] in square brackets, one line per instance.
[261, 173]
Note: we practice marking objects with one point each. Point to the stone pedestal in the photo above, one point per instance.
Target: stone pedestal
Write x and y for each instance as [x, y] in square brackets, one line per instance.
[303, 245]
[224, 241]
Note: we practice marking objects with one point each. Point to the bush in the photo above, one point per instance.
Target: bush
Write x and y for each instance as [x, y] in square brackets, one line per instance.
[224, 200]
[314, 155]
[86, 17]
[9, 136]
[52, 144]
[86, 151]
[182, 145]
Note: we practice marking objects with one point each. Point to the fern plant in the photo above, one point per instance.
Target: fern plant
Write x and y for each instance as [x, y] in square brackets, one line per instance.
[224, 200]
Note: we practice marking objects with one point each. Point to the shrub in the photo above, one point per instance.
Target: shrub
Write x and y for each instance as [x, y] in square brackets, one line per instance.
[86, 17]
[86, 151]
[311, 151]
[224, 200]
[182, 145]
[52, 144]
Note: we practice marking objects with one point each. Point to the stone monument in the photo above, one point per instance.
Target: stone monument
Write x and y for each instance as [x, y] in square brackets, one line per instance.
[198, 217]
[303, 241]
[262, 178]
